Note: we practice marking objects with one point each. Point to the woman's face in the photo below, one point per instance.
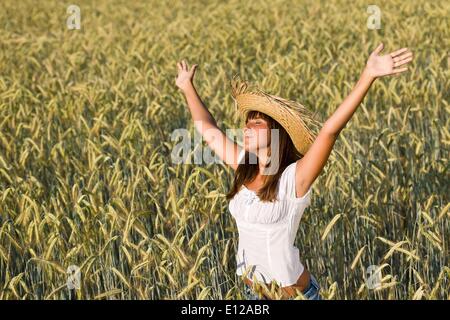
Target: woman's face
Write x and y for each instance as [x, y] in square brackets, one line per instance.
[256, 134]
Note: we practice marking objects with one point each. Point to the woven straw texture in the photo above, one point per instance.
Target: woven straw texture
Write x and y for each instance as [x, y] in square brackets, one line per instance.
[298, 122]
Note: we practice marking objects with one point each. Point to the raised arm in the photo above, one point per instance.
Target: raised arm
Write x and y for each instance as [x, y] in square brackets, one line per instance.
[309, 167]
[204, 122]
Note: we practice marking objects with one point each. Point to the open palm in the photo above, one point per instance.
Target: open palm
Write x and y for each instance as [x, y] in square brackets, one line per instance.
[185, 74]
[378, 65]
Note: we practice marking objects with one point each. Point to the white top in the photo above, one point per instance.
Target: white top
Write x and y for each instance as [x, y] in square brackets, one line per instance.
[267, 231]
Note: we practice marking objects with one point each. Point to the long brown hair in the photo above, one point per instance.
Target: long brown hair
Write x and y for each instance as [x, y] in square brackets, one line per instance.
[247, 172]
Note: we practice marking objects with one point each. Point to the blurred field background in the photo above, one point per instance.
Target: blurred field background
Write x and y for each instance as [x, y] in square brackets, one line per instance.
[86, 118]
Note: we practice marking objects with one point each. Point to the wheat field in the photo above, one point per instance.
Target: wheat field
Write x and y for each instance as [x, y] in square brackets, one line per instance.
[86, 117]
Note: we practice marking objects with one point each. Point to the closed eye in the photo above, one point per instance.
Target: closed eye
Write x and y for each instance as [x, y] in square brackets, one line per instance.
[255, 122]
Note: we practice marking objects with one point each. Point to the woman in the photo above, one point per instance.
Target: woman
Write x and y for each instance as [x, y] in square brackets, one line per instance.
[267, 207]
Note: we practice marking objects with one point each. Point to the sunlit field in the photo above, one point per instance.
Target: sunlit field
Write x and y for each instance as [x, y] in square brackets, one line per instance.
[86, 117]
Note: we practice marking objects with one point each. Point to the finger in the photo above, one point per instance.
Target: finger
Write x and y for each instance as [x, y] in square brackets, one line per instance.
[193, 68]
[402, 62]
[180, 67]
[378, 49]
[403, 56]
[396, 53]
[184, 65]
[395, 71]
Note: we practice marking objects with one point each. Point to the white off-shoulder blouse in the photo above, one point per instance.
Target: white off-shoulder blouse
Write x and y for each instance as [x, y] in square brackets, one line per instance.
[267, 231]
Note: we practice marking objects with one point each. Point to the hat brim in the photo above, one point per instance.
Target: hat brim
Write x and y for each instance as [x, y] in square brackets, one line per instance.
[278, 109]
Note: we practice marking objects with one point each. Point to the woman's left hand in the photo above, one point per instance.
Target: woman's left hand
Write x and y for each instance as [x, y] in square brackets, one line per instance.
[378, 65]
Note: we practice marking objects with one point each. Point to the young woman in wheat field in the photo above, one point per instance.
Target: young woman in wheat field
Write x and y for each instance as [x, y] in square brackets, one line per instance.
[268, 204]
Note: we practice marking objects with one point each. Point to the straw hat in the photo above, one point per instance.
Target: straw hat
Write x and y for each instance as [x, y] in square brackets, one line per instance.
[298, 122]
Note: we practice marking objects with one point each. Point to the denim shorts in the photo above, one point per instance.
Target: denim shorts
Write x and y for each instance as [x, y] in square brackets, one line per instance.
[311, 293]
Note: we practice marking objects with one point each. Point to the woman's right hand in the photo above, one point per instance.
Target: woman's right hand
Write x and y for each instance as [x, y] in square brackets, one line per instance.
[185, 75]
